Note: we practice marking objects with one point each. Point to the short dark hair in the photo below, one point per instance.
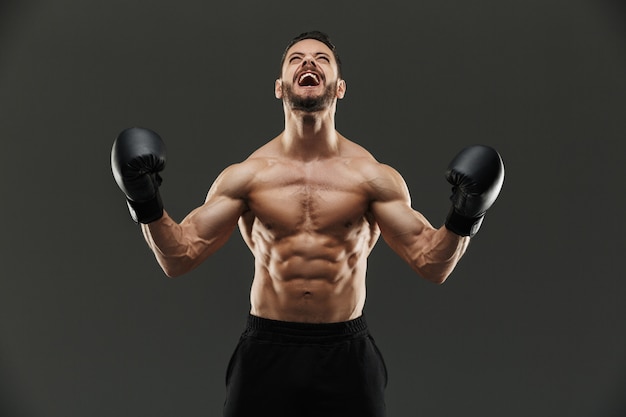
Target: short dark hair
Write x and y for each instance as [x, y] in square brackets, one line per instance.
[318, 36]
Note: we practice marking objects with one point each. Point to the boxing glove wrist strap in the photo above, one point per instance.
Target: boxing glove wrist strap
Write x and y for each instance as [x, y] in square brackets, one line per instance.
[146, 211]
[461, 225]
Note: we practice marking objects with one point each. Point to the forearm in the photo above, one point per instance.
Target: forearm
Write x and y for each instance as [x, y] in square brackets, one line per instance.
[440, 253]
[172, 249]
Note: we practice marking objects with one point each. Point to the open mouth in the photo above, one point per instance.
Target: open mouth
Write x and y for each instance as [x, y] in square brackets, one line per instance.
[308, 79]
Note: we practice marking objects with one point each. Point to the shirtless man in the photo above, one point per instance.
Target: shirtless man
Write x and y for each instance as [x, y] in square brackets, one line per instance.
[310, 205]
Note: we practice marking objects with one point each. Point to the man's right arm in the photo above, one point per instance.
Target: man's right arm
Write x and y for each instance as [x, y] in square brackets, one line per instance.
[137, 158]
[181, 247]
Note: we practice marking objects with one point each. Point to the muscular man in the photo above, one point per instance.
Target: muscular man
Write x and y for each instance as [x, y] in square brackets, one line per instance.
[310, 204]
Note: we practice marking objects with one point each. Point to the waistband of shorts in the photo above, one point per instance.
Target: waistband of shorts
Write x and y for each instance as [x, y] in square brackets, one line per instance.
[348, 328]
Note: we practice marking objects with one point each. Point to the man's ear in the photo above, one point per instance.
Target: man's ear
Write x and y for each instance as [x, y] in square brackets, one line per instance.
[341, 89]
[278, 89]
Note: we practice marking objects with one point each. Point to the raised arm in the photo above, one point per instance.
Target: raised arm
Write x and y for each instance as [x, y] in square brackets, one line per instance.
[476, 175]
[179, 248]
[137, 158]
[432, 253]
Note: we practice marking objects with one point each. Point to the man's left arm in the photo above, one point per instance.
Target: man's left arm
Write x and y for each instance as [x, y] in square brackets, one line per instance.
[432, 253]
[476, 175]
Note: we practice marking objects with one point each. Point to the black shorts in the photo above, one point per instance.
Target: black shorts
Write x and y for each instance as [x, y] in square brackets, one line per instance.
[284, 369]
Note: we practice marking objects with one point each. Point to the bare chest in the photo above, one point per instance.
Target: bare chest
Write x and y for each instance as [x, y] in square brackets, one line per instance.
[320, 198]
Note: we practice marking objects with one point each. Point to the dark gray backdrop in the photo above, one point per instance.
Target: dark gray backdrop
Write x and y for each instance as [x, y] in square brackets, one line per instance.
[530, 323]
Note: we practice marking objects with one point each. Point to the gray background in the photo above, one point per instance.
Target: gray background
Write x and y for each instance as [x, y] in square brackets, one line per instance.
[531, 323]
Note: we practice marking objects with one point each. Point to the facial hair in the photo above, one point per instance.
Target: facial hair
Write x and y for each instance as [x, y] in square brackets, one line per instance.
[310, 104]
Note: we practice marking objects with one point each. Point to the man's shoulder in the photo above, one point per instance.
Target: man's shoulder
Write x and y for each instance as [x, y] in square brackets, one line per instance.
[382, 180]
[237, 178]
[362, 160]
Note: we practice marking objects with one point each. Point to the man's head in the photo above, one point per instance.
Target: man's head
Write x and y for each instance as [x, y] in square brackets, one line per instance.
[318, 36]
[310, 76]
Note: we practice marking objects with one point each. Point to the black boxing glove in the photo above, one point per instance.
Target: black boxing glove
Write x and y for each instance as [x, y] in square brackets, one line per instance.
[137, 157]
[476, 175]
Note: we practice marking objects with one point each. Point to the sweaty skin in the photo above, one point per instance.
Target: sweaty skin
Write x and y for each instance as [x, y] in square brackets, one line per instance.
[310, 205]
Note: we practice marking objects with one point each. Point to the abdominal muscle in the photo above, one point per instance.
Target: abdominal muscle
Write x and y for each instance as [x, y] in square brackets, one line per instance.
[310, 277]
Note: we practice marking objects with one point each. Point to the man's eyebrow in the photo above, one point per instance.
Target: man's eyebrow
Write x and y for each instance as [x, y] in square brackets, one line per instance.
[302, 53]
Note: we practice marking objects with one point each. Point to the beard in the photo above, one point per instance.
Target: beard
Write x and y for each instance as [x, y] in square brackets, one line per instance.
[310, 104]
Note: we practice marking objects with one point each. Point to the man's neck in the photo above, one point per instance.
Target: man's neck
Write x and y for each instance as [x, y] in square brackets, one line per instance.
[309, 136]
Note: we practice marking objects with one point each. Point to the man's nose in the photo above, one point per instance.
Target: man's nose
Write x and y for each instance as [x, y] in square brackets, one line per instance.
[308, 60]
